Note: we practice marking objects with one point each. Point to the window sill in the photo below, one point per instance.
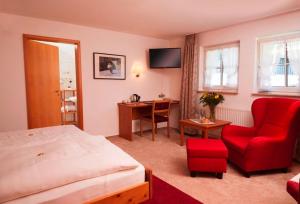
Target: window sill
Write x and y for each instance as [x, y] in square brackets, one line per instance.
[277, 94]
[229, 92]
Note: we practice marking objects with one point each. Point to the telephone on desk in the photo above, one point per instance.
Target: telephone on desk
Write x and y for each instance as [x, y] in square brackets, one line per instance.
[135, 98]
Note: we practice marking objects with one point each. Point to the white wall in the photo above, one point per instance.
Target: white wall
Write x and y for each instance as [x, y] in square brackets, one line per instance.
[100, 97]
[247, 33]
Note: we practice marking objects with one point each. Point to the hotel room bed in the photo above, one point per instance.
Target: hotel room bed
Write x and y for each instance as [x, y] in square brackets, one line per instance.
[46, 144]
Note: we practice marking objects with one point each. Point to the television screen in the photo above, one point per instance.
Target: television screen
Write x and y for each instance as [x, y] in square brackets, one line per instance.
[165, 58]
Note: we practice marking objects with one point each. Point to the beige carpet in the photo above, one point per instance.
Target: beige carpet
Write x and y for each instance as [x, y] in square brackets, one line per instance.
[168, 161]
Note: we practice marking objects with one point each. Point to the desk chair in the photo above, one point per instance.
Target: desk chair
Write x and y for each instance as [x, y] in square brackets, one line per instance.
[160, 113]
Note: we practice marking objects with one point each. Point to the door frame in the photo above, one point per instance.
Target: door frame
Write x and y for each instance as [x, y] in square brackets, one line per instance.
[27, 37]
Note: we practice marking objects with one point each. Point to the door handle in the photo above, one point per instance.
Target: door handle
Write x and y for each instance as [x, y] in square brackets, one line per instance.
[57, 92]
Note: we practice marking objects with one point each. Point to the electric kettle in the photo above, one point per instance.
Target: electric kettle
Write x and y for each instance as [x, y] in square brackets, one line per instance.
[135, 98]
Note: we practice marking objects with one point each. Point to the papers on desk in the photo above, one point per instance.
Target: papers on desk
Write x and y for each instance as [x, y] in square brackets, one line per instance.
[198, 121]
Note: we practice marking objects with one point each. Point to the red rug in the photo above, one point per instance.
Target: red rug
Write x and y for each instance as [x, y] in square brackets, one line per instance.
[164, 193]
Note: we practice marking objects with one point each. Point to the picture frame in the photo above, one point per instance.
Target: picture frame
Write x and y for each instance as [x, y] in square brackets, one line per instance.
[109, 66]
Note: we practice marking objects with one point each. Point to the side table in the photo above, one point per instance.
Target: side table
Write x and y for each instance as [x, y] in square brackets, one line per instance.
[205, 127]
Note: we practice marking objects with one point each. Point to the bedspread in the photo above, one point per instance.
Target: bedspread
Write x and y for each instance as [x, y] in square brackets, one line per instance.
[40, 159]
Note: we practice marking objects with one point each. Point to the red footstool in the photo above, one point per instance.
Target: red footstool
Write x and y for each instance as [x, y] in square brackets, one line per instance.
[206, 155]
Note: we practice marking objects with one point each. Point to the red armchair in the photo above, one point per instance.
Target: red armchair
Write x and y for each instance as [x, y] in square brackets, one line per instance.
[292, 187]
[269, 144]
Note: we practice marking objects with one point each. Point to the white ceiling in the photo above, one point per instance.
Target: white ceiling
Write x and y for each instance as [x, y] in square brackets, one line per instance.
[157, 18]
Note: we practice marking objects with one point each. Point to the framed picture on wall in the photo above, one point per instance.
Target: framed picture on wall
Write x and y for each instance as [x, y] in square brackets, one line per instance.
[109, 66]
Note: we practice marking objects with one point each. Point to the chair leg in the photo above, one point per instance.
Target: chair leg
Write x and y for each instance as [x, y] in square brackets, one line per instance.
[141, 128]
[155, 128]
[153, 131]
[219, 175]
[168, 129]
[246, 174]
[193, 174]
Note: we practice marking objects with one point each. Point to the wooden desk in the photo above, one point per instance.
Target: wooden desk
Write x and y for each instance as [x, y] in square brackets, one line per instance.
[204, 127]
[132, 111]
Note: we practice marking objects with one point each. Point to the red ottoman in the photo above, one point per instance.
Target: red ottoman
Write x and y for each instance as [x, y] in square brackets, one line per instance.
[206, 155]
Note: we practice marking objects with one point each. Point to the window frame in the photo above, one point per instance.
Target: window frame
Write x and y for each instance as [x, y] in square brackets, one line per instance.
[221, 88]
[284, 37]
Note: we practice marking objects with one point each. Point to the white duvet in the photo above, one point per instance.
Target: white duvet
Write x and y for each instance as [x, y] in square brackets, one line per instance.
[40, 159]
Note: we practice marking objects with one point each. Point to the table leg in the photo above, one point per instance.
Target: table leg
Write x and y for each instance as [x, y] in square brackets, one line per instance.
[181, 135]
[125, 122]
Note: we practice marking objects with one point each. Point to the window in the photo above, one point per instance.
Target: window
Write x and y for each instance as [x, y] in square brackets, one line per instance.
[221, 68]
[279, 63]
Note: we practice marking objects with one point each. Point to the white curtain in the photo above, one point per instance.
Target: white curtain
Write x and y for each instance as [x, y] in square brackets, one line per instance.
[293, 47]
[226, 58]
[270, 55]
[212, 69]
[230, 58]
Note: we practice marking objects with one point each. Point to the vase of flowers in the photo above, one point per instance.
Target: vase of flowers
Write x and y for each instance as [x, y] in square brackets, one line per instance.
[211, 99]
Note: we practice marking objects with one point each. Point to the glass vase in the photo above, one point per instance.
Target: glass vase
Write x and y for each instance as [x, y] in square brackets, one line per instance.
[212, 111]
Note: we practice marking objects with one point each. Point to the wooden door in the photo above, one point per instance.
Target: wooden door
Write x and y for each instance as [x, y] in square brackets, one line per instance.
[42, 84]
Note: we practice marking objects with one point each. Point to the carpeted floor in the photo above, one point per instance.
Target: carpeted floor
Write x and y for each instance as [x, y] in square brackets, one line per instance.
[168, 161]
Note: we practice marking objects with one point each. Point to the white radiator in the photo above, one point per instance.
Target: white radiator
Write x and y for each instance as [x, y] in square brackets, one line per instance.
[237, 117]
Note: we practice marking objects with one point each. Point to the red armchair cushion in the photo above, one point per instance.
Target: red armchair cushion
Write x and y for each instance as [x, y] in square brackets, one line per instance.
[209, 148]
[239, 143]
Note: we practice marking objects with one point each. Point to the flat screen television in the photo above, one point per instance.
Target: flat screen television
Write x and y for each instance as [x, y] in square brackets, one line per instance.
[165, 58]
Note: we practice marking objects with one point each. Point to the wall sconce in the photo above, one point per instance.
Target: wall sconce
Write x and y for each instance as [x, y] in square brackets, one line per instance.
[137, 69]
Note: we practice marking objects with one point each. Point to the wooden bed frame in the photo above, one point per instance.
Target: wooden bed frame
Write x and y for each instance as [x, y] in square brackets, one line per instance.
[133, 194]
